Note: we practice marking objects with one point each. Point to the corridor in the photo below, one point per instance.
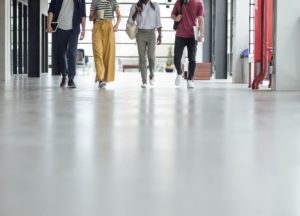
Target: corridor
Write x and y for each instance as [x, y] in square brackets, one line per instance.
[217, 150]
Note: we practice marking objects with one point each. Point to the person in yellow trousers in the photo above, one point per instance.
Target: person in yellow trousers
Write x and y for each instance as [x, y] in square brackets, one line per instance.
[103, 38]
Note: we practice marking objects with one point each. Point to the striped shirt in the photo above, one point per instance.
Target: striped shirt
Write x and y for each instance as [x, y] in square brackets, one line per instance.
[107, 5]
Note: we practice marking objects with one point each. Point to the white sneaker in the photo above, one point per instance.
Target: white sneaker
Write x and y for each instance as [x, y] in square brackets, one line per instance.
[144, 85]
[152, 81]
[190, 84]
[178, 80]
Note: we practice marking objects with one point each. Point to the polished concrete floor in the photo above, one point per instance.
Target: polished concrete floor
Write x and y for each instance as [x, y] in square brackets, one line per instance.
[216, 150]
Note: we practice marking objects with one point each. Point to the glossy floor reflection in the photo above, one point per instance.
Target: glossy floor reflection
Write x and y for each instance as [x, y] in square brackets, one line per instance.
[216, 150]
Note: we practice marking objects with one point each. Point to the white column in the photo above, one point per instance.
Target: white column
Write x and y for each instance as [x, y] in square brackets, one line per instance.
[240, 37]
[4, 40]
[287, 59]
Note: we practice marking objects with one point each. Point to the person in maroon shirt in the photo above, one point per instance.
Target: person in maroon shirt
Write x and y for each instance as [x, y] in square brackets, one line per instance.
[188, 13]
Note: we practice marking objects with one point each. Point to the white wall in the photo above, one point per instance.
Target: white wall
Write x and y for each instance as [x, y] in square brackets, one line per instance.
[4, 40]
[44, 7]
[240, 36]
[287, 45]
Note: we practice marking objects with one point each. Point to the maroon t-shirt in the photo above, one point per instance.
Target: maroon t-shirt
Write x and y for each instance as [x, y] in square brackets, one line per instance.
[189, 12]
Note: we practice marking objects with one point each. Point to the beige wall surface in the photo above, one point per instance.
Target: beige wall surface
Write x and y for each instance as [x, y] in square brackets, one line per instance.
[4, 40]
[240, 37]
[287, 45]
[44, 6]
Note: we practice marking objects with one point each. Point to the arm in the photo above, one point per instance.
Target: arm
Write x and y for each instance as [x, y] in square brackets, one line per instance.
[159, 36]
[118, 14]
[92, 16]
[175, 15]
[158, 24]
[51, 12]
[93, 13]
[83, 22]
[49, 20]
[52, 6]
[176, 18]
[201, 25]
[138, 10]
[131, 13]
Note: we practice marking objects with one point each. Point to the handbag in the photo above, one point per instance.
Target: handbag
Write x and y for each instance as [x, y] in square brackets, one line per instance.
[175, 25]
[131, 30]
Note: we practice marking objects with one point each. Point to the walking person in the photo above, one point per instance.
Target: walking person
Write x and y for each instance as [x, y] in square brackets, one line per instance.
[146, 14]
[69, 14]
[103, 38]
[188, 13]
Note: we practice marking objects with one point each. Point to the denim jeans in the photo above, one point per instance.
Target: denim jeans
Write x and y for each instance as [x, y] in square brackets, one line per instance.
[65, 42]
[191, 44]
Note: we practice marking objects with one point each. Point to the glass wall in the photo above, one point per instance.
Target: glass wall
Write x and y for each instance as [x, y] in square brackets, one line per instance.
[19, 36]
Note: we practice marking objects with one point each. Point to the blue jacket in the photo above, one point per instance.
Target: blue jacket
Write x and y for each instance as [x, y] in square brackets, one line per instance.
[79, 12]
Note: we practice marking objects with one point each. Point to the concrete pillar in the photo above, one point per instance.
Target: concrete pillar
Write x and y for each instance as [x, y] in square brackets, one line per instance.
[4, 40]
[208, 29]
[240, 39]
[215, 44]
[220, 36]
[34, 41]
[287, 45]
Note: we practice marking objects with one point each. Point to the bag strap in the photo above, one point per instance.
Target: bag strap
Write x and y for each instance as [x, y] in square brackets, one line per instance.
[180, 9]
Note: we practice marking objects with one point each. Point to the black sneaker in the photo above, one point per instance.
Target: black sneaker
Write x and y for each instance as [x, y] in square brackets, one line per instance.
[63, 82]
[101, 84]
[71, 84]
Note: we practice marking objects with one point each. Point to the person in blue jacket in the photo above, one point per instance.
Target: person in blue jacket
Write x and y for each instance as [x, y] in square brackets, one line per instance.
[69, 14]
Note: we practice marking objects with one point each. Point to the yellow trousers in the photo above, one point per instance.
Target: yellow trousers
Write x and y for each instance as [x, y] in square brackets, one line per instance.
[103, 38]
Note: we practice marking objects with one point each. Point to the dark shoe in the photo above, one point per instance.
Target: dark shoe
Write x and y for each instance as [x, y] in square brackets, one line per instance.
[101, 84]
[71, 84]
[63, 82]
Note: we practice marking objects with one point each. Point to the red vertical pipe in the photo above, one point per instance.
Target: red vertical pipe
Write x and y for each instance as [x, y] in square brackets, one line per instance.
[264, 38]
[258, 38]
[249, 75]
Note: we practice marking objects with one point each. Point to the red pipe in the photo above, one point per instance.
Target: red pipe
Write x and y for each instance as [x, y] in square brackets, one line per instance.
[264, 38]
[249, 75]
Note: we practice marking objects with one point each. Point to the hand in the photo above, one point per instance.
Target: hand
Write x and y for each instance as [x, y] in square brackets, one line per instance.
[178, 17]
[116, 28]
[138, 9]
[200, 38]
[82, 34]
[159, 39]
[93, 16]
[49, 29]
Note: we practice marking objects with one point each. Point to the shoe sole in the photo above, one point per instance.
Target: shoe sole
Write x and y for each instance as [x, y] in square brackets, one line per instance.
[177, 83]
[152, 83]
[63, 85]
